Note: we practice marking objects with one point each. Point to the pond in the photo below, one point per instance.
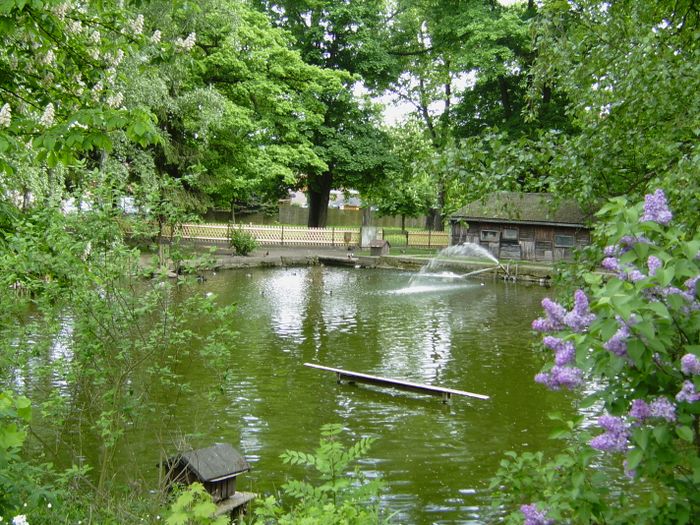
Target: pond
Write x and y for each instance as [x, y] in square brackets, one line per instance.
[435, 458]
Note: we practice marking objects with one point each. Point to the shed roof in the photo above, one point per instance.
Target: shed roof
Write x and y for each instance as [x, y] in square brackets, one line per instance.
[532, 208]
[216, 462]
[379, 243]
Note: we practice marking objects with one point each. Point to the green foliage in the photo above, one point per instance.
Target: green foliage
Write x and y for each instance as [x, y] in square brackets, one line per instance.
[241, 241]
[194, 506]
[628, 76]
[647, 324]
[338, 499]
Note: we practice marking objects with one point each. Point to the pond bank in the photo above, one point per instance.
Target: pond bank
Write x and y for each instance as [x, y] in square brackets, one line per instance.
[303, 256]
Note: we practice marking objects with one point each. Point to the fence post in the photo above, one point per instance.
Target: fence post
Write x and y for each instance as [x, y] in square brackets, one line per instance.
[430, 233]
[282, 237]
[333, 237]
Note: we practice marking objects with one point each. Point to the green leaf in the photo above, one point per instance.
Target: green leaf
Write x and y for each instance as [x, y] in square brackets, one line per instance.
[634, 458]
[685, 433]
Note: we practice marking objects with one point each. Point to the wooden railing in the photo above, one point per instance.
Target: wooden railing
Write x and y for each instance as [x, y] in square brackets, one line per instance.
[416, 239]
[281, 235]
[272, 235]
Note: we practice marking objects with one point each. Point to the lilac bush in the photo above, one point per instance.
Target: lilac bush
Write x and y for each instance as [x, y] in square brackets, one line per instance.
[632, 338]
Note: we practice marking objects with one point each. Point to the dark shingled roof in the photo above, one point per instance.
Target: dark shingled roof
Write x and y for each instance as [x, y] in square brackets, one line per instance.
[533, 208]
[219, 461]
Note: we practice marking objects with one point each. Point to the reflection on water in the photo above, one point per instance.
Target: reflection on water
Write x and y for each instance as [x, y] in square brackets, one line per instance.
[436, 459]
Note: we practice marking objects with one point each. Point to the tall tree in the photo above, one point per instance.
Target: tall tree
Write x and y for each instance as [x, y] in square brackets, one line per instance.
[236, 112]
[343, 36]
[629, 74]
[463, 68]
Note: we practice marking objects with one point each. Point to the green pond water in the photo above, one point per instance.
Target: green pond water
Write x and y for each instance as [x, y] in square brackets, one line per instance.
[436, 459]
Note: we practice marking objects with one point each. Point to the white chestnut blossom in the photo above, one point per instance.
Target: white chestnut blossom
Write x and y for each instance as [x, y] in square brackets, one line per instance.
[61, 10]
[118, 57]
[188, 43]
[5, 115]
[115, 101]
[137, 25]
[75, 27]
[48, 116]
[95, 37]
[49, 58]
[155, 38]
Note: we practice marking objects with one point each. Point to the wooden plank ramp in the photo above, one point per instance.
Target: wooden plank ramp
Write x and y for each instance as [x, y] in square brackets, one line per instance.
[356, 377]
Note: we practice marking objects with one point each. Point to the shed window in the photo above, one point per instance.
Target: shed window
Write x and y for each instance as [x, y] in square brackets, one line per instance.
[510, 234]
[490, 235]
[564, 241]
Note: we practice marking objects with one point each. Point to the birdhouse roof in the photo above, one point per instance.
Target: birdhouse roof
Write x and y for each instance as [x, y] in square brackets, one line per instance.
[216, 462]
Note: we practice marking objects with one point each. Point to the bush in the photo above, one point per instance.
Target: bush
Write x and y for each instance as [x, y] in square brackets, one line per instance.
[341, 497]
[633, 352]
[242, 242]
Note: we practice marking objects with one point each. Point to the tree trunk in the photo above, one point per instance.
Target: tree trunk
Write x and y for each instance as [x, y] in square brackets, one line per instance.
[505, 96]
[319, 195]
[435, 219]
[233, 212]
[403, 223]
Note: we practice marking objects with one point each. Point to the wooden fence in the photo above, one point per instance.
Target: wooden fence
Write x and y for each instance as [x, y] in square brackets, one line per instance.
[272, 235]
[416, 239]
[280, 235]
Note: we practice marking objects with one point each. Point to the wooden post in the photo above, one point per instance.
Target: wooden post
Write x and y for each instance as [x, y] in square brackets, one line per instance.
[282, 236]
[333, 236]
[430, 233]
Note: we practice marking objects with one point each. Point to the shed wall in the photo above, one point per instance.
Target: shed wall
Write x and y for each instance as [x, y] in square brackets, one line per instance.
[526, 242]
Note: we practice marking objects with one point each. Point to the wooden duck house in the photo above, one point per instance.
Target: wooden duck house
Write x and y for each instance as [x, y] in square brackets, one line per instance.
[215, 467]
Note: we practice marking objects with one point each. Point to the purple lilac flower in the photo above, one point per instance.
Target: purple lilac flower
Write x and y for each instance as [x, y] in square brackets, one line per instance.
[690, 364]
[615, 437]
[656, 208]
[617, 344]
[611, 263]
[663, 409]
[565, 355]
[579, 318]
[564, 351]
[613, 424]
[559, 377]
[635, 276]
[653, 263]
[555, 317]
[688, 393]
[640, 409]
[611, 251]
[534, 516]
[692, 286]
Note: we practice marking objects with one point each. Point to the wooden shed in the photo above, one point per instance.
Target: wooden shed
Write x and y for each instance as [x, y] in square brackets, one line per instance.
[523, 226]
[215, 467]
[379, 247]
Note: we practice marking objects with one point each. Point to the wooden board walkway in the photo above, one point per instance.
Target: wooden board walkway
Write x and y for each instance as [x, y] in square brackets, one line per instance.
[352, 377]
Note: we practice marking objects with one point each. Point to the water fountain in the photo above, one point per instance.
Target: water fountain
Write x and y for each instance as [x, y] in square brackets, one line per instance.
[467, 249]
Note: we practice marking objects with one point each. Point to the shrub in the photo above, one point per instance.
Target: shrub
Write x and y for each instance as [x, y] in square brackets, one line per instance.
[630, 343]
[242, 242]
[341, 497]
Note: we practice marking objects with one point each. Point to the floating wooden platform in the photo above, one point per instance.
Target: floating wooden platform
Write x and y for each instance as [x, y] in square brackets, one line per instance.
[356, 377]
